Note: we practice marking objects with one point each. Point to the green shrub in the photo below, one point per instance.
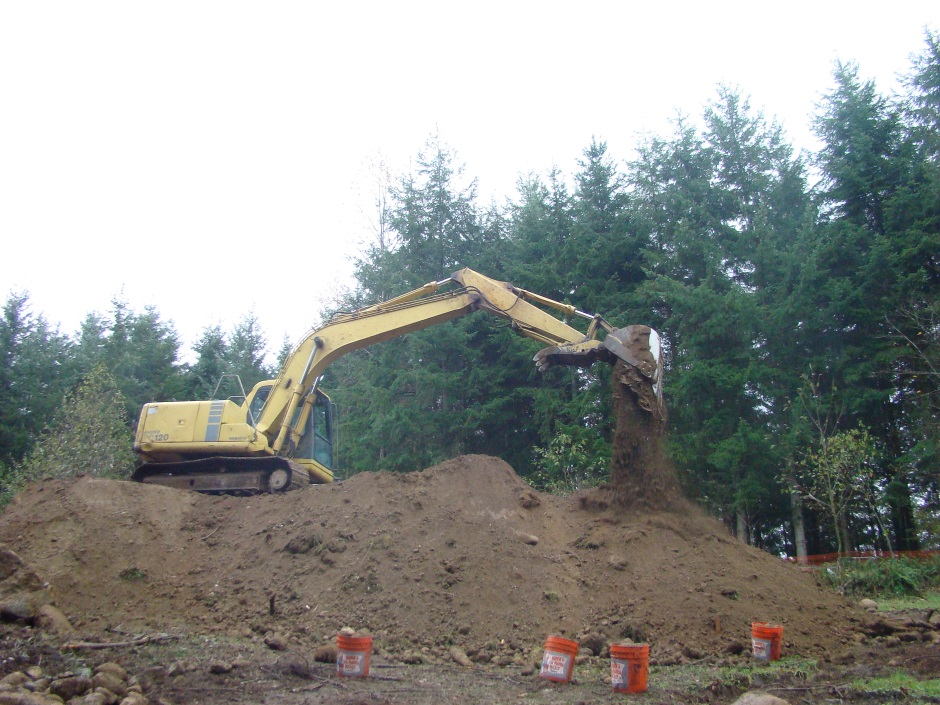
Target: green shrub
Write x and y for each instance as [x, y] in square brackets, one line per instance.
[887, 576]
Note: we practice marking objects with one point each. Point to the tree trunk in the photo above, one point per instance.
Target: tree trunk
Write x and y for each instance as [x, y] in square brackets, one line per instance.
[799, 526]
[742, 532]
[902, 515]
[842, 527]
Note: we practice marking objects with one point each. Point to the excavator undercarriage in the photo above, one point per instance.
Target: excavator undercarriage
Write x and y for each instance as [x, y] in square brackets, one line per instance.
[227, 475]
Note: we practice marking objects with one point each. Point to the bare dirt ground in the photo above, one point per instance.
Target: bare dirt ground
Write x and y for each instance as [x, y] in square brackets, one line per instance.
[240, 592]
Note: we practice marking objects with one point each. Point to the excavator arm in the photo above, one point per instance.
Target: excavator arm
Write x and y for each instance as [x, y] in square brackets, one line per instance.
[226, 437]
[427, 306]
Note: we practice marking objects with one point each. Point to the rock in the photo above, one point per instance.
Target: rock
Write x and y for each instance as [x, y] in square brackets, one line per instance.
[22, 591]
[617, 562]
[22, 698]
[17, 678]
[868, 604]
[412, 658]
[99, 696]
[595, 643]
[325, 654]
[294, 664]
[881, 627]
[153, 677]
[757, 697]
[459, 656]
[111, 682]
[220, 667]
[115, 669]
[277, 642]
[179, 667]
[135, 699]
[529, 539]
[50, 618]
[68, 688]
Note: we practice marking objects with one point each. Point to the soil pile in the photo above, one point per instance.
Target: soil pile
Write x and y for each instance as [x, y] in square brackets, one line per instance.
[464, 553]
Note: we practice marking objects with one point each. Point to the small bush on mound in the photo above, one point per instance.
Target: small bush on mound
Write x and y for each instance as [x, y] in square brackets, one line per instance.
[88, 435]
[888, 576]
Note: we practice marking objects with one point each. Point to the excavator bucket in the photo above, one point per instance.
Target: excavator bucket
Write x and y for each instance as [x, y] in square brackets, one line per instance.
[637, 346]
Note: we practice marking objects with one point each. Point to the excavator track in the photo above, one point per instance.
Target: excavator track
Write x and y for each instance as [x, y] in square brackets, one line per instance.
[227, 475]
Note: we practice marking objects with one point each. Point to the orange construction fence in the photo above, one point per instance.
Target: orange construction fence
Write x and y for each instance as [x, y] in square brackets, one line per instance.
[822, 558]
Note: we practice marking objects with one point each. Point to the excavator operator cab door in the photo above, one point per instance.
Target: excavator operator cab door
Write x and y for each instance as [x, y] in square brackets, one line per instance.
[258, 396]
[316, 442]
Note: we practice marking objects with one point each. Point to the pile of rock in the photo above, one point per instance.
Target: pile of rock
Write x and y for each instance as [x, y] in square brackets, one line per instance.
[891, 631]
[108, 684]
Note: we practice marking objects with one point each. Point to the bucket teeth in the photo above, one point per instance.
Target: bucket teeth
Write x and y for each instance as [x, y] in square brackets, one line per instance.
[583, 354]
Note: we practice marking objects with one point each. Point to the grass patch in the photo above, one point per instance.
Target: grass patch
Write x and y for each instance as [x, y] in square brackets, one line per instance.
[929, 600]
[899, 684]
[731, 680]
[133, 573]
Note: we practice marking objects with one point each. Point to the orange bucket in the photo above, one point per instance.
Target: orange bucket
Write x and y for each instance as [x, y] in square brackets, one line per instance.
[629, 667]
[352, 655]
[766, 639]
[558, 661]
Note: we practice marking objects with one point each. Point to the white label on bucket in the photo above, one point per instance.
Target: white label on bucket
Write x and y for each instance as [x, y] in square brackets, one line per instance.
[617, 669]
[350, 663]
[762, 648]
[555, 664]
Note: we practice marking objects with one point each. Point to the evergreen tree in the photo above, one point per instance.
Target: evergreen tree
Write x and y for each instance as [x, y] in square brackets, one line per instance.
[211, 363]
[36, 369]
[245, 353]
[139, 350]
[873, 261]
[718, 210]
[437, 225]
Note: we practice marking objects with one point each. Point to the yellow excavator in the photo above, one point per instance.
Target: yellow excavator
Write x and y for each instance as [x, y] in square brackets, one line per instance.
[280, 437]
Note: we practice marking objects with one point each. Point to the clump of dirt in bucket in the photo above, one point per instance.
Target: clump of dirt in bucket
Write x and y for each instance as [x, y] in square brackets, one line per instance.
[641, 474]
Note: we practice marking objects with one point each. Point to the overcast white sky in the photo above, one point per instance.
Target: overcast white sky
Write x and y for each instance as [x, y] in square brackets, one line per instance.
[209, 157]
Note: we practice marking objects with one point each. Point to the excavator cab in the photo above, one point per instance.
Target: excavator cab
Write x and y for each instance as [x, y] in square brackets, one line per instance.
[311, 440]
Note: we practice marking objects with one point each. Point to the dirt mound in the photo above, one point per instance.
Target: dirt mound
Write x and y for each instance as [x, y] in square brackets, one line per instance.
[463, 553]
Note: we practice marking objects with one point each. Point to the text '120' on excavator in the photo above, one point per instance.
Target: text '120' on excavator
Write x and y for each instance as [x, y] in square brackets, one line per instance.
[280, 438]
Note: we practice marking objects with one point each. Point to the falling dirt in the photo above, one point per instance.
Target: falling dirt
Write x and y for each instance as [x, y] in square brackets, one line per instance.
[641, 476]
